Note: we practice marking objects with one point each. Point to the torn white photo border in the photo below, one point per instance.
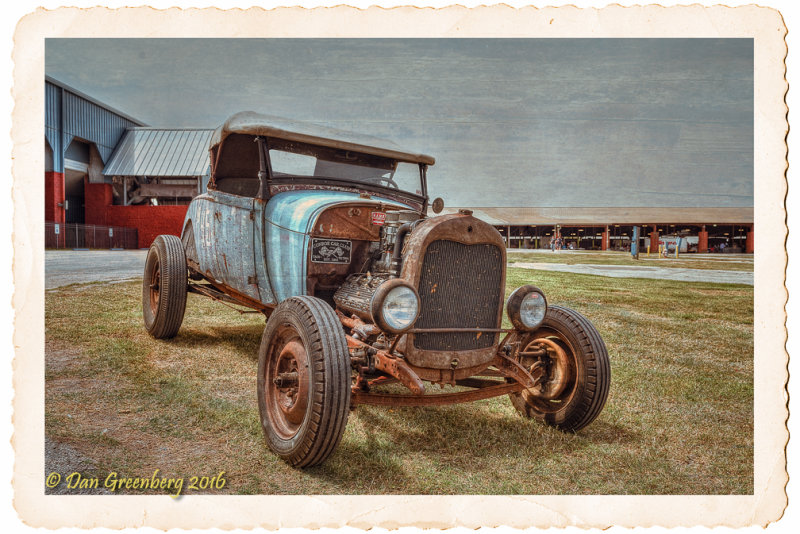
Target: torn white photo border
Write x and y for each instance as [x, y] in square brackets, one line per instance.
[763, 25]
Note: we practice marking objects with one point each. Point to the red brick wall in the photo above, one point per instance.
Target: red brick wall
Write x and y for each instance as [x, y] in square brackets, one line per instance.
[150, 221]
[53, 195]
[96, 198]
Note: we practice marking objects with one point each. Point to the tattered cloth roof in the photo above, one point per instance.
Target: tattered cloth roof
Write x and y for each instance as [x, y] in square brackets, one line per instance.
[249, 122]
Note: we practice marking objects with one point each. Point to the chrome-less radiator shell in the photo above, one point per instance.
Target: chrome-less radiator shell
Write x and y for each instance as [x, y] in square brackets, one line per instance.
[465, 271]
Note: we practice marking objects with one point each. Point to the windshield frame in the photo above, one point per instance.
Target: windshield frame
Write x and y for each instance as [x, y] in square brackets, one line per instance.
[348, 156]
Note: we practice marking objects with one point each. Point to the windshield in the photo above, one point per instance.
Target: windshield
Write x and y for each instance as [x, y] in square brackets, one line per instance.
[305, 161]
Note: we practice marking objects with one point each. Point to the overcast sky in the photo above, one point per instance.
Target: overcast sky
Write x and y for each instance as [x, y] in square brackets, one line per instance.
[511, 122]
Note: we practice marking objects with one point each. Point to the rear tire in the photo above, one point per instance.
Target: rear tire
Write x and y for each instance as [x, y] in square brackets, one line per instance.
[164, 287]
[303, 381]
[576, 388]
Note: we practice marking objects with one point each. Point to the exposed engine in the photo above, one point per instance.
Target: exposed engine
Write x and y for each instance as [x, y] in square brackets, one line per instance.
[355, 294]
[394, 221]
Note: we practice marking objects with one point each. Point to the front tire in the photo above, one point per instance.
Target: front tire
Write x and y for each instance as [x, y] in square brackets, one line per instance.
[577, 377]
[164, 287]
[303, 381]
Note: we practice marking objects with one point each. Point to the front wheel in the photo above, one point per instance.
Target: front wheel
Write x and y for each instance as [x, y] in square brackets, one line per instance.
[576, 370]
[303, 381]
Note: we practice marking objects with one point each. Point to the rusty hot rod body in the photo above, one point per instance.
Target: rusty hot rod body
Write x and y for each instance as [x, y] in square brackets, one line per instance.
[326, 233]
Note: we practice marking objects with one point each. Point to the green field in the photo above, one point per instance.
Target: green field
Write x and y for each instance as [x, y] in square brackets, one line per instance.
[679, 418]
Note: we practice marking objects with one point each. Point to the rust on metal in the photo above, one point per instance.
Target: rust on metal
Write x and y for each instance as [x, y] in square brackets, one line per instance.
[449, 375]
[559, 374]
[444, 330]
[351, 221]
[513, 369]
[439, 399]
[359, 328]
[287, 391]
[223, 293]
[478, 382]
[392, 366]
[467, 230]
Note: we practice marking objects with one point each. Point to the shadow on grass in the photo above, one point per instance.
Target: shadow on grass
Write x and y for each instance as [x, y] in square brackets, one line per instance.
[419, 450]
[244, 339]
[601, 431]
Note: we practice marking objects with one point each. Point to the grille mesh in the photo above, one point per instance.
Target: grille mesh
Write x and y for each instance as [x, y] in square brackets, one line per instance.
[459, 288]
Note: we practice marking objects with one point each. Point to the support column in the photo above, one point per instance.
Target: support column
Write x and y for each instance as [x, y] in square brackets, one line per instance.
[702, 240]
[54, 197]
[749, 244]
[98, 199]
[654, 239]
[604, 240]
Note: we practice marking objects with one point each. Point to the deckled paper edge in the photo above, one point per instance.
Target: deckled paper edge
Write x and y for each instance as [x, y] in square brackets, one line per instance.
[769, 500]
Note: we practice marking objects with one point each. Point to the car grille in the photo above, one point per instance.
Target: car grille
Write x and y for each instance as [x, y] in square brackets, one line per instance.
[459, 287]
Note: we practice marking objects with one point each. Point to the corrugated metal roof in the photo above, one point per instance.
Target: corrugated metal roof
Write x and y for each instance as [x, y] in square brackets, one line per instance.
[52, 81]
[161, 152]
[70, 114]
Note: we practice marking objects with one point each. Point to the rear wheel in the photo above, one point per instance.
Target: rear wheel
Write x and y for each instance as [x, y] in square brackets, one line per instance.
[303, 381]
[577, 372]
[164, 287]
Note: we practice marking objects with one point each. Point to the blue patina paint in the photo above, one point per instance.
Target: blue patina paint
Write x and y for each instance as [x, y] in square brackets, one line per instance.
[261, 251]
[289, 219]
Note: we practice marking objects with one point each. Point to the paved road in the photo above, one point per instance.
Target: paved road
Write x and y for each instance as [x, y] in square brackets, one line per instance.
[63, 267]
[744, 259]
[661, 273]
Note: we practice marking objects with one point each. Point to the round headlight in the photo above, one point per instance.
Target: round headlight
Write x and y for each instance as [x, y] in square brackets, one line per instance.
[395, 306]
[526, 308]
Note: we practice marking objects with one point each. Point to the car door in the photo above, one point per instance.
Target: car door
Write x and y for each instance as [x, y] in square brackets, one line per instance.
[233, 261]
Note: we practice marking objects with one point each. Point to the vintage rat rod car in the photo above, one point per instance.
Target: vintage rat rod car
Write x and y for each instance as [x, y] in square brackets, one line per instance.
[326, 233]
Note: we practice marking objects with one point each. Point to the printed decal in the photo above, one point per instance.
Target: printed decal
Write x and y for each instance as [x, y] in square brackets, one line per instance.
[331, 250]
[378, 217]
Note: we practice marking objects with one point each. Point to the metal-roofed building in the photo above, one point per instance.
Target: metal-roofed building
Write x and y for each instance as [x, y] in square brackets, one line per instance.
[80, 135]
[106, 168]
[611, 228]
[105, 171]
[159, 165]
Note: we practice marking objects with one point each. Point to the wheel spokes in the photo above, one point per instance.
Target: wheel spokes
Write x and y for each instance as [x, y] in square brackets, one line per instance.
[155, 287]
[558, 362]
[287, 387]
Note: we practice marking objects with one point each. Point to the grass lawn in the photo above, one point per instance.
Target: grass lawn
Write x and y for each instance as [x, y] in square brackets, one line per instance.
[679, 419]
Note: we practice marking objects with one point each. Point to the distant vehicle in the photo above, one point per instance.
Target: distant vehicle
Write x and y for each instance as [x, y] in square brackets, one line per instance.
[326, 233]
[687, 243]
